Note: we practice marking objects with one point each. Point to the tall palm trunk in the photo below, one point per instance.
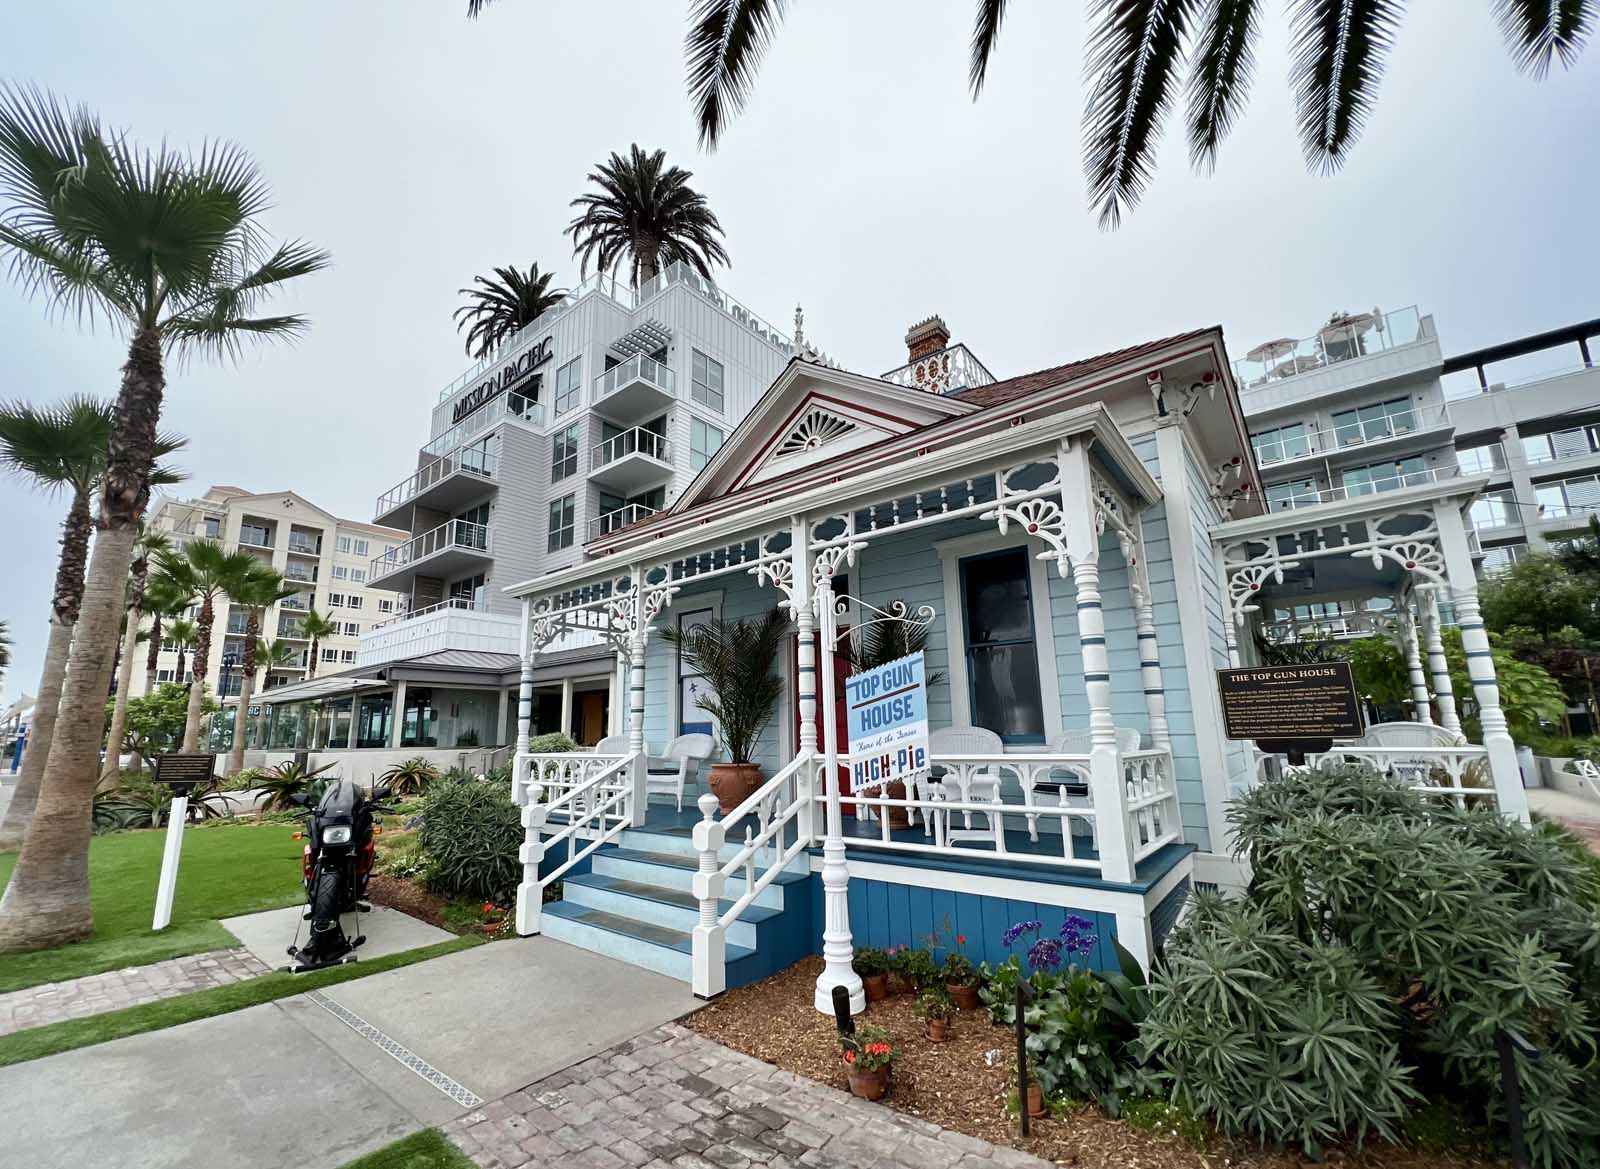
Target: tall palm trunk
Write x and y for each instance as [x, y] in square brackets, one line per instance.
[183, 663]
[111, 773]
[646, 250]
[64, 607]
[247, 685]
[311, 660]
[202, 660]
[47, 902]
[154, 656]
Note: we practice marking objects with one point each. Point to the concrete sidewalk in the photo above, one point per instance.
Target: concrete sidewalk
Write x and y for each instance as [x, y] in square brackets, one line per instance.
[319, 1079]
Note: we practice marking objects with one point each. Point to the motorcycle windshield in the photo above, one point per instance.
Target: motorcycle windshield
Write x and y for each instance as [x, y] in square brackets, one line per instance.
[339, 801]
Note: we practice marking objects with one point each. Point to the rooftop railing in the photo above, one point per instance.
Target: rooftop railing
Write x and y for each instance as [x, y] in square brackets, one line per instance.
[1347, 337]
[463, 461]
[452, 534]
[507, 405]
[452, 605]
[950, 369]
[637, 368]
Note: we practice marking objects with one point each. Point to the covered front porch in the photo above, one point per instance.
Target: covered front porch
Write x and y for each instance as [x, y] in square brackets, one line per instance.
[1053, 763]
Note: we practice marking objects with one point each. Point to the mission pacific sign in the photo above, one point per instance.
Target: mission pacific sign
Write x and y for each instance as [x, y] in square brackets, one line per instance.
[512, 373]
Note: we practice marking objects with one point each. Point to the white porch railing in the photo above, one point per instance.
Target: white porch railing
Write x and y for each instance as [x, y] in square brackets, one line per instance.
[783, 804]
[1457, 773]
[1153, 816]
[592, 799]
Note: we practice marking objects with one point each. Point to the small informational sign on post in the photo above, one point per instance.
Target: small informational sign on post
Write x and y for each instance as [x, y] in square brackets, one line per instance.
[1314, 701]
[887, 709]
[182, 773]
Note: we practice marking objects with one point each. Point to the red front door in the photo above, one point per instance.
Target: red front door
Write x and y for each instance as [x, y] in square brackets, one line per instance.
[841, 671]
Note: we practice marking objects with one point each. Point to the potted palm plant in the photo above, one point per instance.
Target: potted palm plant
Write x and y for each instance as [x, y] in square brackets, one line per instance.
[736, 658]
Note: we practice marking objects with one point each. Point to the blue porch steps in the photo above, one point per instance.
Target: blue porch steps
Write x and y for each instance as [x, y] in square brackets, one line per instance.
[636, 903]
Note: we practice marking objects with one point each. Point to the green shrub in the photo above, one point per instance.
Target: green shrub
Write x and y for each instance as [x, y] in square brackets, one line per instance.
[401, 855]
[411, 777]
[288, 780]
[472, 832]
[1384, 942]
[1161, 1118]
[915, 967]
[870, 961]
[244, 779]
[552, 743]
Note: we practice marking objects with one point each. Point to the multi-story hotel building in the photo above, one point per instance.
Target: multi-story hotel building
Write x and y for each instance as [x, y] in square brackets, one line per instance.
[327, 557]
[593, 417]
[1370, 404]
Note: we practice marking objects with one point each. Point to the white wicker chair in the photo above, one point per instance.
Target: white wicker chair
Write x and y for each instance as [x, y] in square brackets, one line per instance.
[1423, 736]
[1048, 794]
[678, 764]
[971, 787]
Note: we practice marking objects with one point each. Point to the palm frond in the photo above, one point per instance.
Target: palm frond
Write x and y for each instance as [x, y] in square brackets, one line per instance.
[646, 213]
[723, 50]
[1541, 31]
[1339, 47]
[1135, 53]
[499, 308]
[474, 7]
[63, 445]
[1224, 64]
[985, 33]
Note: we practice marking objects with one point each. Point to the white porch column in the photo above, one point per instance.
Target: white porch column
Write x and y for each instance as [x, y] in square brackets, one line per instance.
[837, 947]
[636, 743]
[1144, 620]
[1105, 766]
[397, 726]
[1438, 666]
[805, 667]
[1497, 740]
[616, 722]
[1419, 682]
[566, 706]
[524, 704]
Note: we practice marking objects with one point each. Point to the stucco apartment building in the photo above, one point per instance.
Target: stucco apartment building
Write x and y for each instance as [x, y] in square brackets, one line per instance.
[329, 558]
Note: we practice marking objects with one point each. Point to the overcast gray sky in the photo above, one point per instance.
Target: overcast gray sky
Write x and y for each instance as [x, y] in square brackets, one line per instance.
[422, 149]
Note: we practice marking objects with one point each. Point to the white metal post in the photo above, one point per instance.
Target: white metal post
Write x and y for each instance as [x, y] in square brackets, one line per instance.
[566, 706]
[519, 777]
[171, 853]
[805, 671]
[708, 967]
[1413, 645]
[837, 948]
[636, 746]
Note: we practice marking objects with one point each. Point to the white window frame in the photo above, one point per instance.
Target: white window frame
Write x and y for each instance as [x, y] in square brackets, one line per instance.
[721, 390]
[353, 601]
[340, 572]
[335, 600]
[329, 655]
[351, 629]
[692, 604]
[359, 547]
[698, 457]
[550, 526]
[343, 543]
[951, 552]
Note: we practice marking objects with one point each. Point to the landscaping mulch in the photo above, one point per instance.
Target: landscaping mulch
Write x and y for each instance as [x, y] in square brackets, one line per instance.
[964, 1083]
[408, 897]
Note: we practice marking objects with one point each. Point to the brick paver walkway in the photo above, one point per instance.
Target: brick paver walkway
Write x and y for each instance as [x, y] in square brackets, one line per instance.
[673, 1098]
[115, 989]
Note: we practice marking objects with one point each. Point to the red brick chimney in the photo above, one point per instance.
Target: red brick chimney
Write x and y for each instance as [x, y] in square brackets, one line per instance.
[927, 337]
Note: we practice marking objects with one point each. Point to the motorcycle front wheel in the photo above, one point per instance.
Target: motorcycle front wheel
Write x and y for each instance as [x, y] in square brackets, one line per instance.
[325, 902]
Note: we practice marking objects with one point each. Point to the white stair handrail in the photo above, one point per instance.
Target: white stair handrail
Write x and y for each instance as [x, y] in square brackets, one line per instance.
[597, 806]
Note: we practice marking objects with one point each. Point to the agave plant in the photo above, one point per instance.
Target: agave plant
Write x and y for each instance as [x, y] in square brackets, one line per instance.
[411, 777]
[288, 780]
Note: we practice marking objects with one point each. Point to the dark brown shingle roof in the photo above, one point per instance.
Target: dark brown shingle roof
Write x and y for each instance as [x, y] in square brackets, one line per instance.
[1018, 387]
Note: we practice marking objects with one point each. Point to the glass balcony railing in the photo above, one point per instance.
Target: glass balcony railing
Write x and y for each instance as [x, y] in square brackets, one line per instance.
[471, 460]
[297, 602]
[300, 573]
[1311, 496]
[1297, 442]
[454, 534]
[1346, 337]
[637, 441]
[1481, 460]
[637, 368]
[507, 405]
[306, 545]
[611, 521]
[250, 539]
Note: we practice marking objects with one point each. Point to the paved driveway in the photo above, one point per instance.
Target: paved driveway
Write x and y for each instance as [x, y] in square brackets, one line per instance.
[315, 1080]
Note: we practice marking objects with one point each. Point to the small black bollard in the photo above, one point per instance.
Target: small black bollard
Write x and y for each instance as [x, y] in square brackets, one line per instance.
[1512, 1044]
[1024, 993]
[841, 1011]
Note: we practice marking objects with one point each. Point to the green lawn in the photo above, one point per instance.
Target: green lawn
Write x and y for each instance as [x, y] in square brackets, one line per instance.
[226, 871]
[428, 1149]
[38, 1042]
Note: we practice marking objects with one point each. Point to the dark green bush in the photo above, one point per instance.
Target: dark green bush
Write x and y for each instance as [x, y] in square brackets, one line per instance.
[1384, 942]
[472, 832]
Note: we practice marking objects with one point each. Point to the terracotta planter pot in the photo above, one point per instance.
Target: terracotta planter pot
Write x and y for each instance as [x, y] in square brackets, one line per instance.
[965, 997]
[899, 984]
[899, 817]
[876, 986]
[869, 1085]
[733, 783]
[490, 928]
[1036, 1108]
[938, 1030]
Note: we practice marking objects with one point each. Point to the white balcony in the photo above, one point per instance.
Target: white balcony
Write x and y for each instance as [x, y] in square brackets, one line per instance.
[632, 461]
[1313, 496]
[451, 548]
[1405, 430]
[453, 624]
[614, 521]
[636, 389]
[445, 484]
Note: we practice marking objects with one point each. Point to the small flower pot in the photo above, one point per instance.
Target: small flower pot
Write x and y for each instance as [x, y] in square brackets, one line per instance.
[489, 928]
[1036, 1108]
[964, 997]
[938, 1030]
[876, 986]
[733, 783]
[869, 1085]
[900, 984]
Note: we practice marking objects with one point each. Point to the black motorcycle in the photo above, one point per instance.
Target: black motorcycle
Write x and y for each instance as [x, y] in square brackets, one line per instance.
[336, 865]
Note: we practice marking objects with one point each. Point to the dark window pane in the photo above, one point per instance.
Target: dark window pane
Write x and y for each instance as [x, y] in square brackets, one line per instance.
[1005, 690]
[997, 598]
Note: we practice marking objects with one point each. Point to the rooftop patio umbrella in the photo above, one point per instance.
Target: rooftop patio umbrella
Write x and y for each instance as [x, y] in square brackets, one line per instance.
[1271, 350]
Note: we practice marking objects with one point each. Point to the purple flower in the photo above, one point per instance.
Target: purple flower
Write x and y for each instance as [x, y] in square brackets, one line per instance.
[1017, 930]
[1074, 940]
[1075, 924]
[1045, 954]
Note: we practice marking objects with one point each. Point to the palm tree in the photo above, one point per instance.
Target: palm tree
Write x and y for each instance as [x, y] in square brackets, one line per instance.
[60, 447]
[316, 626]
[168, 247]
[645, 212]
[207, 572]
[149, 544]
[258, 589]
[499, 308]
[1137, 53]
[163, 603]
[275, 653]
[183, 633]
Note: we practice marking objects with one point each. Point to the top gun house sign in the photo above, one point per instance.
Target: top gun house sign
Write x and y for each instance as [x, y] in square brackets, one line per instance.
[887, 709]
